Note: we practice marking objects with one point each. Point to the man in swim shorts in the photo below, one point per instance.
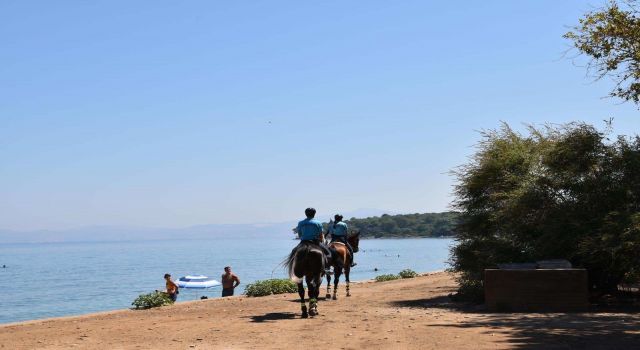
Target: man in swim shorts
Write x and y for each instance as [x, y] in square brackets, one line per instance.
[229, 282]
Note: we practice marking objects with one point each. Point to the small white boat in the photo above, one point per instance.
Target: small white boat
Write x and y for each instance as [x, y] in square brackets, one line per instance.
[196, 282]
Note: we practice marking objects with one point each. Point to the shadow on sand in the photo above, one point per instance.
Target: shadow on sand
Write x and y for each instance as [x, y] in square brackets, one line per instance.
[273, 316]
[439, 302]
[306, 300]
[603, 328]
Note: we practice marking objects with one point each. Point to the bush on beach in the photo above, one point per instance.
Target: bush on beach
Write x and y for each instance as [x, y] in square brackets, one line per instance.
[386, 277]
[270, 286]
[153, 299]
[569, 191]
[408, 273]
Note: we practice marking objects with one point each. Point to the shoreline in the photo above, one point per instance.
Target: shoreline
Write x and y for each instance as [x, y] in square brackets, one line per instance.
[412, 313]
[114, 311]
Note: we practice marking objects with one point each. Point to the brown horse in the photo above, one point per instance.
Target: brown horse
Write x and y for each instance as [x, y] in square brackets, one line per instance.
[341, 261]
[306, 263]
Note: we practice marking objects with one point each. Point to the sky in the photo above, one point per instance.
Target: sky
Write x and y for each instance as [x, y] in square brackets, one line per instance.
[173, 113]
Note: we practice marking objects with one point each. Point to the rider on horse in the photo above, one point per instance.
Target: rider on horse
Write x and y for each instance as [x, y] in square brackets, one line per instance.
[338, 233]
[310, 230]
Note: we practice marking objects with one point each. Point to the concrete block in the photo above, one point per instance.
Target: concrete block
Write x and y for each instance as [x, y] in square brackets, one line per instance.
[543, 290]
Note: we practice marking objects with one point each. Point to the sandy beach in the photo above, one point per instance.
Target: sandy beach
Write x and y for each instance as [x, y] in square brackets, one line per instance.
[403, 314]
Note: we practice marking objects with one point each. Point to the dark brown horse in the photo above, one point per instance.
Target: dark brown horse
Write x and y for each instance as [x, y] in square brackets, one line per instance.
[341, 261]
[306, 263]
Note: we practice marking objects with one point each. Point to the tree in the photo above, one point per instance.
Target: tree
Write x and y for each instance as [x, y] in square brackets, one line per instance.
[410, 225]
[610, 36]
[558, 192]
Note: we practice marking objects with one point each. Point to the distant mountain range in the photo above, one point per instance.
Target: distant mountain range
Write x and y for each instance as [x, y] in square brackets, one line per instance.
[117, 233]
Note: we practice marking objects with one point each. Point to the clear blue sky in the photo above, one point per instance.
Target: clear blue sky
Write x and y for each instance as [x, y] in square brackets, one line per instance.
[175, 113]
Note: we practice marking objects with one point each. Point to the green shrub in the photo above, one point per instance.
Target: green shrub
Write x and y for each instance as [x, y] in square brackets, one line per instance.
[271, 286]
[408, 273]
[557, 192]
[387, 277]
[154, 299]
[470, 289]
[632, 276]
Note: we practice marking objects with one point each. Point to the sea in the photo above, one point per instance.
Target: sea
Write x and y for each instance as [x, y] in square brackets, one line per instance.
[43, 280]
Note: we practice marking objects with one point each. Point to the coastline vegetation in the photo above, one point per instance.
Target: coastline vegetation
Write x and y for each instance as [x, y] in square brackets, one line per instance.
[149, 300]
[408, 273]
[406, 225]
[270, 286]
[386, 277]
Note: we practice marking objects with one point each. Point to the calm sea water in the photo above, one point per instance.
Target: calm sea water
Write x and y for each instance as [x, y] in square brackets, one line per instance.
[60, 279]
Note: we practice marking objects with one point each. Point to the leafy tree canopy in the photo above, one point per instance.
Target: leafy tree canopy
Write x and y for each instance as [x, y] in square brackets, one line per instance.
[557, 192]
[610, 36]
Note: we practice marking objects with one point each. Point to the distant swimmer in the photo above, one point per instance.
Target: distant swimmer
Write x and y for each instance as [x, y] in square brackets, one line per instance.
[229, 282]
[4, 266]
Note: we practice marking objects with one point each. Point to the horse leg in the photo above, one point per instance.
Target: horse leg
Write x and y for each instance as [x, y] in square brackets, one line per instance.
[347, 269]
[336, 280]
[313, 286]
[303, 305]
[328, 287]
[316, 293]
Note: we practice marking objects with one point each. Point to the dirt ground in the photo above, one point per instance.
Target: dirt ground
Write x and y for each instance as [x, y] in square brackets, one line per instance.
[403, 314]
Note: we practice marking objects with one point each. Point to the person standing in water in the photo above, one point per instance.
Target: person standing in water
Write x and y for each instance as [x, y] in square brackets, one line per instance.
[229, 282]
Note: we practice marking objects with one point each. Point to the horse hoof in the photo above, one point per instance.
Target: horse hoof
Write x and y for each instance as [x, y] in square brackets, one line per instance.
[335, 297]
[348, 295]
[313, 312]
[305, 315]
[328, 296]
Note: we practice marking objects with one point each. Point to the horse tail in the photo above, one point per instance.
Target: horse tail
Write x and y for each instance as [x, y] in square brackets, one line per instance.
[297, 254]
[317, 283]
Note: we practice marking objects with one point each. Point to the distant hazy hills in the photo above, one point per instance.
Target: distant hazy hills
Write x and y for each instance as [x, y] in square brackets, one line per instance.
[110, 233]
[115, 233]
[372, 223]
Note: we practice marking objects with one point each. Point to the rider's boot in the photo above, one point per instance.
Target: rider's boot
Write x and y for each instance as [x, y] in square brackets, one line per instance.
[353, 263]
[327, 260]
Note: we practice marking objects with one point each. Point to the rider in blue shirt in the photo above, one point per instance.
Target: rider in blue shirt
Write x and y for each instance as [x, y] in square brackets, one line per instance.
[310, 230]
[338, 233]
